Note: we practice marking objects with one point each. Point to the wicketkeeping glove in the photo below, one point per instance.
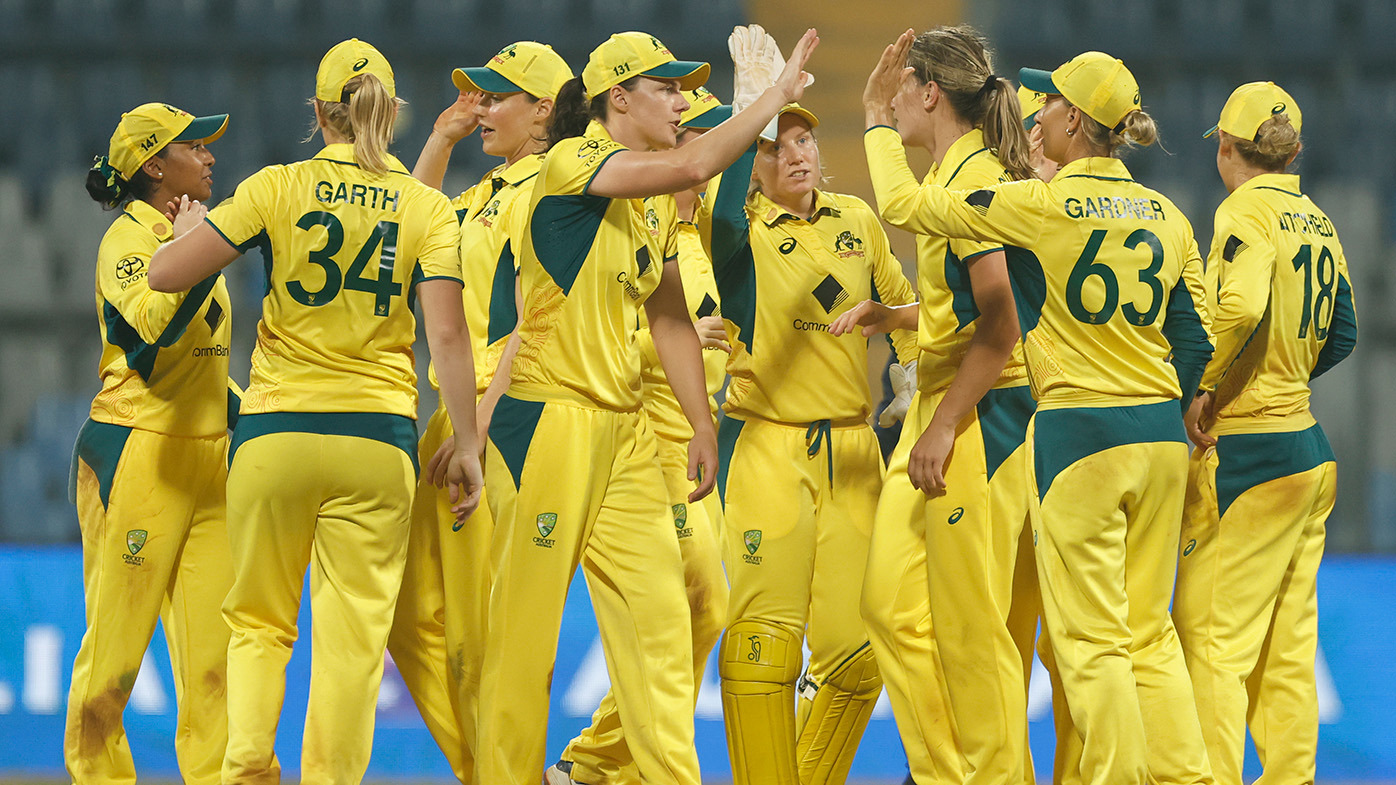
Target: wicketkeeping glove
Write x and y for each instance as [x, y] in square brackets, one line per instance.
[903, 378]
[750, 65]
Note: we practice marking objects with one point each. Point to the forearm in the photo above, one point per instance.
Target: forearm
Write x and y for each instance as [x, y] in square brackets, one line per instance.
[455, 370]
[680, 355]
[500, 383]
[987, 354]
[431, 164]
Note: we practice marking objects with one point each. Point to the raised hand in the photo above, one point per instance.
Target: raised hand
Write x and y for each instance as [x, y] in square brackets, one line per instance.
[886, 79]
[185, 214]
[459, 120]
[793, 78]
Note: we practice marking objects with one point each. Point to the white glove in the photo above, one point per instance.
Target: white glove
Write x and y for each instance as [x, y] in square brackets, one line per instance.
[776, 67]
[903, 378]
[750, 65]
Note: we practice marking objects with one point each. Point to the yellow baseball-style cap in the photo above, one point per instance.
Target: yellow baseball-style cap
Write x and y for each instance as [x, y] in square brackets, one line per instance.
[795, 109]
[145, 130]
[1093, 82]
[705, 110]
[346, 60]
[1031, 103]
[625, 55]
[524, 67]
[1250, 105]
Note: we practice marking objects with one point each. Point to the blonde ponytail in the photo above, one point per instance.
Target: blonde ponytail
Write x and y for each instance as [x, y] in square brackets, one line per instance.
[959, 61]
[1275, 146]
[366, 120]
[1137, 129]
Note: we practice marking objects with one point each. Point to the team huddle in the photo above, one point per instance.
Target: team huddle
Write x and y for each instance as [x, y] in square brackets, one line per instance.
[642, 252]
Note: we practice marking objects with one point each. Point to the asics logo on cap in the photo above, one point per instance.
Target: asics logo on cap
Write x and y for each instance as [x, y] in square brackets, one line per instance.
[1277, 108]
[360, 64]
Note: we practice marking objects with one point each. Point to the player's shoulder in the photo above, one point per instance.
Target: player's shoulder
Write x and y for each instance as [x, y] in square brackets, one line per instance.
[126, 237]
[981, 170]
[849, 206]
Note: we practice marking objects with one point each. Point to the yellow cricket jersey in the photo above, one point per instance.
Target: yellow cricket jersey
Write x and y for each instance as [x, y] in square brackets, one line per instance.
[700, 295]
[946, 320]
[1106, 274]
[344, 251]
[493, 213]
[783, 280]
[164, 360]
[1283, 306]
[586, 266]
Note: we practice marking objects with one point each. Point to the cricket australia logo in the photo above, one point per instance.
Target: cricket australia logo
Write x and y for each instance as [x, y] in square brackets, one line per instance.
[546, 523]
[846, 245]
[752, 539]
[681, 521]
[830, 293]
[652, 221]
[506, 53]
[135, 540]
[488, 214]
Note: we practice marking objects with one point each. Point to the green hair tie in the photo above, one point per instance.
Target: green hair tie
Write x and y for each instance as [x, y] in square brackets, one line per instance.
[102, 165]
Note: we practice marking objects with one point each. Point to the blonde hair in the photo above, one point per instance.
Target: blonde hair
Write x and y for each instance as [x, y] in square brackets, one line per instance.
[958, 59]
[1137, 129]
[1276, 143]
[366, 120]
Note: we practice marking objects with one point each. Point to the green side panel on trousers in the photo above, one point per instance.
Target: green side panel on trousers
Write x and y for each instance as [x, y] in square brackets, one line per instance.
[727, 432]
[1062, 437]
[511, 431]
[1003, 423]
[1245, 460]
[99, 446]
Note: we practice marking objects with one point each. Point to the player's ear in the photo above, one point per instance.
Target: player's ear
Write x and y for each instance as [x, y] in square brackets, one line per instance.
[620, 99]
[930, 95]
[542, 109]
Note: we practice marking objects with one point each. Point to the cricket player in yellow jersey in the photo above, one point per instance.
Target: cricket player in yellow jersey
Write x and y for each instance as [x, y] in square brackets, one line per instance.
[599, 754]
[801, 469]
[324, 453]
[952, 515]
[150, 465]
[572, 462]
[1108, 285]
[1263, 476]
[438, 635]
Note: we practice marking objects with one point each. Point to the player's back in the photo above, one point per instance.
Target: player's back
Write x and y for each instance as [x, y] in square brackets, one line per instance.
[1108, 291]
[343, 249]
[1279, 250]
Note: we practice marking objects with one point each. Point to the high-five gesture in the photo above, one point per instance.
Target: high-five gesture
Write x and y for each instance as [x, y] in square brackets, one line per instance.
[886, 79]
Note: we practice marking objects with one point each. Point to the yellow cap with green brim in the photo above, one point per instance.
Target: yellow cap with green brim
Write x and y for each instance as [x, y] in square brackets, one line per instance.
[145, 130]
[1250, 105]
[627, 55]
[1094, 82]
[523, 67]
[704, 111]
[1031, 102]
[346, 60]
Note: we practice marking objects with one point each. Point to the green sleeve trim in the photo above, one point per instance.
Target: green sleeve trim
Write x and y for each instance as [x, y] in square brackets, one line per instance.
[221, 233]
[875, 127]
[99, 446]
[1342, 332]
[440, 278]
[978, 254]
[730, 226]
[586, 189]
[393, 429]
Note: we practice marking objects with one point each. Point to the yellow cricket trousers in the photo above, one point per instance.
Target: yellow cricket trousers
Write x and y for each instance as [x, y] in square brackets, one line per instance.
[1110, 483]
[599, 754]
[955, 556]
[332, 492]
[799, 502]
[438, 636]
[154, 544]
[571, 485]
[1247, 607]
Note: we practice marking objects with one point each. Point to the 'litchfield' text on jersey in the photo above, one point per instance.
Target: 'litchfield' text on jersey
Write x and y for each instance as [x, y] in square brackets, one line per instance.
[358, 193]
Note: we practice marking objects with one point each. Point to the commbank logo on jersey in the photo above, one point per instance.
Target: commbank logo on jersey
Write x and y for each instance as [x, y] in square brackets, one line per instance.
[830, 293]
[546, 522]
[752, 539]
[706, 308]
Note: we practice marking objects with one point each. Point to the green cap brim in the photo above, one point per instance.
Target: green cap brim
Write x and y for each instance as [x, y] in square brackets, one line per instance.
[482, 80]
[689, 74]
[1209, 133]
[207, 129]
[1038, 80]
[710, 119]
